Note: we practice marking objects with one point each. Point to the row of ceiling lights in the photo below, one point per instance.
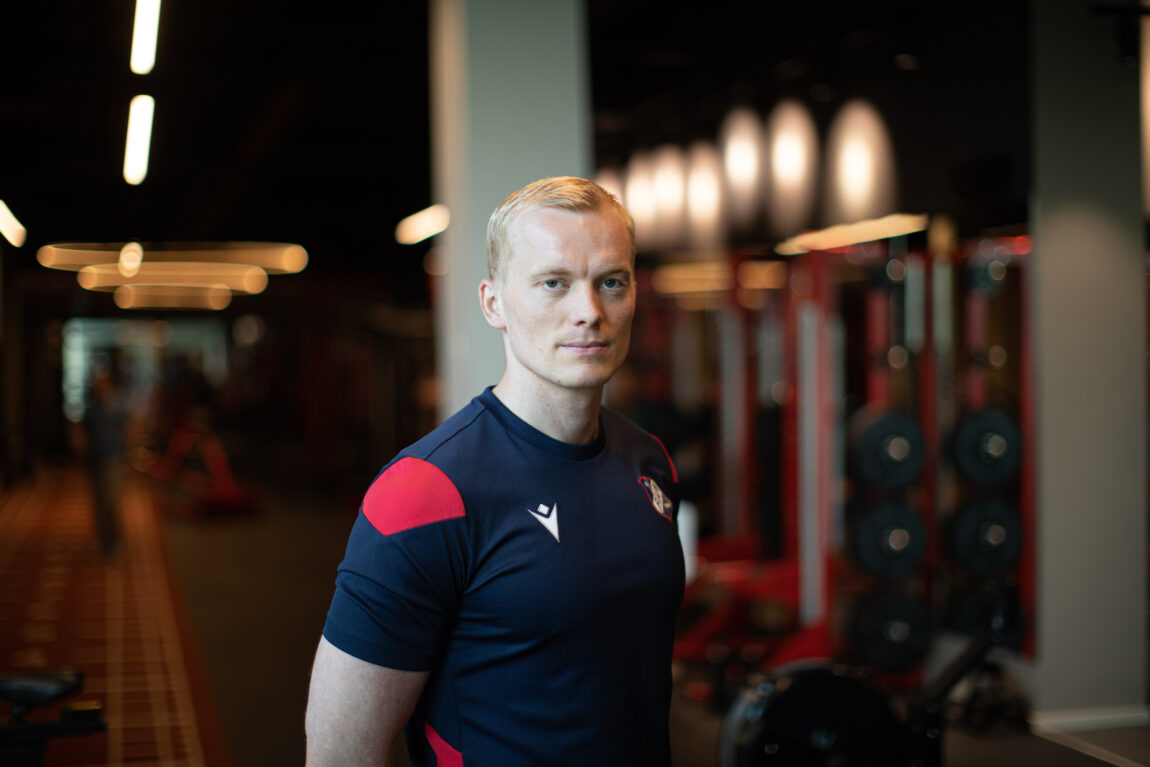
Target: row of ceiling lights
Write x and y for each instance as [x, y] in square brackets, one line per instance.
[143, 58]
[145, 31]
[759, 179]
[697, 201]
[142, 107]
[165, 275]
[699, 198]
[691, 205]
[174, 276]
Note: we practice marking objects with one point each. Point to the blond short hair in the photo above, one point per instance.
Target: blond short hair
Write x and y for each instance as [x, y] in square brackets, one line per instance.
[563, 192]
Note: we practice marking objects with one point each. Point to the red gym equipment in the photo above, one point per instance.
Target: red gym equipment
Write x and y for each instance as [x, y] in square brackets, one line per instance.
[871, 560]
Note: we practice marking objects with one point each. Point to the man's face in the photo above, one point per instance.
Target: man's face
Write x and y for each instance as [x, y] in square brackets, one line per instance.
[565, 299]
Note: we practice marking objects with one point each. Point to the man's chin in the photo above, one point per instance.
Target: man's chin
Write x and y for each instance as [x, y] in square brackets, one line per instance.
[594, 382]
[592, 377]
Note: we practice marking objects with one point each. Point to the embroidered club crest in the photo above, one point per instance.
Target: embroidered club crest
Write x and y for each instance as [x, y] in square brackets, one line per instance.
[658, 498]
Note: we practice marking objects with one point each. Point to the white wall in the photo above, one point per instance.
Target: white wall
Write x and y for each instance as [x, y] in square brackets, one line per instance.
[1088, 317]
[510, 104]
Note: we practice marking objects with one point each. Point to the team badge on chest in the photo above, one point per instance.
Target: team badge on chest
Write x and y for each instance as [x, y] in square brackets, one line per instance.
[658, 498]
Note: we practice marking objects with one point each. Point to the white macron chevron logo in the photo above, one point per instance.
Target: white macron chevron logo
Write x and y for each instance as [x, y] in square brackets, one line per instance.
[548, 517]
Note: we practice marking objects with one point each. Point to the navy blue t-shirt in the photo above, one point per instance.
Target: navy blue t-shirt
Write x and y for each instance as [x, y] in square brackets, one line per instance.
[538, 582]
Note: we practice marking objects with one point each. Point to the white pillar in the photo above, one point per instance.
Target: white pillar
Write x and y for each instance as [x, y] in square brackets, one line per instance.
[1088, 318]
[510, 103]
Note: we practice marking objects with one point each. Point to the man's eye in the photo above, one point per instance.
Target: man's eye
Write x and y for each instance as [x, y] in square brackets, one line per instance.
[614, 283]
[552, 284]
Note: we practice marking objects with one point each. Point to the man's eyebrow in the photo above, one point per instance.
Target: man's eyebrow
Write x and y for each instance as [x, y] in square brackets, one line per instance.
[551, 271]
[562, 271]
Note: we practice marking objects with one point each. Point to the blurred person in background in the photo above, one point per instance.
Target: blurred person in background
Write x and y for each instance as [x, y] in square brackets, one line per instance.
[105, 419]
[510, 586]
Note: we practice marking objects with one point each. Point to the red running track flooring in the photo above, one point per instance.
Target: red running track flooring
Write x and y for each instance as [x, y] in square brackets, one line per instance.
[120, 622]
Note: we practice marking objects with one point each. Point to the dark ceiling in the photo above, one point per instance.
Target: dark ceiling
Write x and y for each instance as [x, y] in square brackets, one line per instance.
[274, 121]
[308, 122]
[950, 79]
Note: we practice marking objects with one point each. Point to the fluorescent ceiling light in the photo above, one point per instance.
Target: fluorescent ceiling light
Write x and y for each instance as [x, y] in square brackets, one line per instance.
[419, 226]
[11, 227]
[144, 34]
[131, 258]
[272, 257]
[139, 139]
[238, 278]
[149, 297]
[842, 235]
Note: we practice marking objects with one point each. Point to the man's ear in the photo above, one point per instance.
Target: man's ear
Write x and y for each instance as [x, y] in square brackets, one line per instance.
[491, 305]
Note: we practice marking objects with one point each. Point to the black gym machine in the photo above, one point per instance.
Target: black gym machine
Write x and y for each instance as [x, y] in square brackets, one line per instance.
[829, 715]
[934, 520]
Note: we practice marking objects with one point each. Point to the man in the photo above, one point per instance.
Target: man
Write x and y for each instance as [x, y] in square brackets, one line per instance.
[509, 589]
[104, 423]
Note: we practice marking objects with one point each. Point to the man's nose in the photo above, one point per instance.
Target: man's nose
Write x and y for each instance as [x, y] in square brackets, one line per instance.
[588, 307]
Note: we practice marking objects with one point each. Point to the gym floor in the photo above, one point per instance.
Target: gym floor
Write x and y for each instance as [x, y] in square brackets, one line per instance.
[241, 598]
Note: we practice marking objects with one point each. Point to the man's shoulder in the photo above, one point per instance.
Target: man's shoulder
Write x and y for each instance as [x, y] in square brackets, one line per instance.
[466, 437]
[631, 438]
[623, 427]
[421, 484]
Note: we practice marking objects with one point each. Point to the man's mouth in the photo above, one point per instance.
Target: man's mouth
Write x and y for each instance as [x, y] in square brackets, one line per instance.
[585, 347]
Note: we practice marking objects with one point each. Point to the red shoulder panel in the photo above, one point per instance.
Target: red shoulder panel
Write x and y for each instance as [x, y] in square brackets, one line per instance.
[411, 493]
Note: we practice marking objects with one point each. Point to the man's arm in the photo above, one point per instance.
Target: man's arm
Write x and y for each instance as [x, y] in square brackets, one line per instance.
[355, 709]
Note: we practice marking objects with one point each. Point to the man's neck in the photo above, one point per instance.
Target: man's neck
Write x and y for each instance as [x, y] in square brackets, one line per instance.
[570, 416]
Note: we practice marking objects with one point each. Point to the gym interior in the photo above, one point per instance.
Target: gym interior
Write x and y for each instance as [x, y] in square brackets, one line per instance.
[891, 327]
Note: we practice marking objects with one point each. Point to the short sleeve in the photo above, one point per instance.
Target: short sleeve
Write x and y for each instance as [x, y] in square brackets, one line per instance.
[404, 569]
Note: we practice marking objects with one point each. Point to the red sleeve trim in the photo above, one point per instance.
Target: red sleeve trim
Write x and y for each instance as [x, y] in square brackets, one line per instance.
[411, 493]
[674, 474]
[445, 755]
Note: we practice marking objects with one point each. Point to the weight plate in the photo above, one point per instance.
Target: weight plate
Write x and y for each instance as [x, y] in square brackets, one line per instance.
[887, 448]
[987, 447]
[889, 541]
[808, 714]
[985, 536]
[892, 631]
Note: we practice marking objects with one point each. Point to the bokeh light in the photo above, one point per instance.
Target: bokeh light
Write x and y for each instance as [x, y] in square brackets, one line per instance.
[639, 197]
[860, 166]
[792, 168]
[704, 196]
[669, 171]
[741, 139]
